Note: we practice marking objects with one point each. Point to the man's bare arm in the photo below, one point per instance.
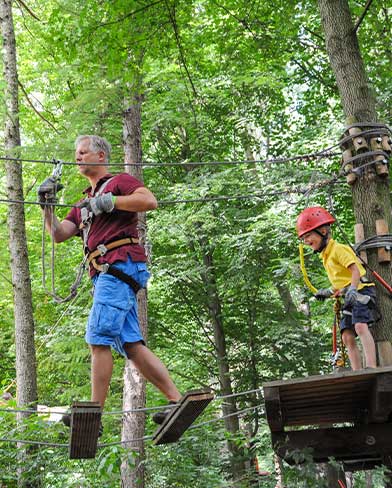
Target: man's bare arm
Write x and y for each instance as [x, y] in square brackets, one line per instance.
[60, 231]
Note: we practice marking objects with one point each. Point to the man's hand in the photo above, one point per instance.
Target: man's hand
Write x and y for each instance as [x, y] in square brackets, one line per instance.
[324, 293]
[47, 191]
[100, 204]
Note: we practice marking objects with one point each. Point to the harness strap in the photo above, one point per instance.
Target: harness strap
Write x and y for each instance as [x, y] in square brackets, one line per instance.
[102, 249]
[112, 270]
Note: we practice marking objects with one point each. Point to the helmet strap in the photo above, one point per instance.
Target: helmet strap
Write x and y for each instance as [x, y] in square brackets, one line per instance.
[324, 240]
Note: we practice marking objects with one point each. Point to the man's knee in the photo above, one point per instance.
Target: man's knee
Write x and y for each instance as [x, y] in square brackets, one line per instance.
[133, 349]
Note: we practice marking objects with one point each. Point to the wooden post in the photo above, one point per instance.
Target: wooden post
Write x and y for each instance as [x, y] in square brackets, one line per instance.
[359, 143]
[384, 256]
[381, 166]
[359, 237]
[350, 177]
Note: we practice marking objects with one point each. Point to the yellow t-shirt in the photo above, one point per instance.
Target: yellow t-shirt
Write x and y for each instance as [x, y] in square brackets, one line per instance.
[336, 260]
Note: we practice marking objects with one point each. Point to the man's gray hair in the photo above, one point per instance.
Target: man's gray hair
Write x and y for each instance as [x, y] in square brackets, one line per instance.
[97, 144]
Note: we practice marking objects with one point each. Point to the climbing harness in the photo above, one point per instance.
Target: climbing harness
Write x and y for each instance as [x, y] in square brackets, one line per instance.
[56, 175]
[102, 249]
[338, 353]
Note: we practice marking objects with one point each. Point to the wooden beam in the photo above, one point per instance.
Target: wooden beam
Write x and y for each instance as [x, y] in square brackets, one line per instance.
[381, 399]
[344, 443]
[273, 408]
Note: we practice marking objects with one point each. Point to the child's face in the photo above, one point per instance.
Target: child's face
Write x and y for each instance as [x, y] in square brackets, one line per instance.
[313, 240]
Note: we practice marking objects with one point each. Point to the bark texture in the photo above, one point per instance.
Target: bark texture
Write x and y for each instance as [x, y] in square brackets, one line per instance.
[134, 394]
[26, 377]
[229, 407]
[370, 192]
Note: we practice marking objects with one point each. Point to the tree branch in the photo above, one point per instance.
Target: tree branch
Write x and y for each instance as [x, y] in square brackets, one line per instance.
[23, 5]
[35, 110]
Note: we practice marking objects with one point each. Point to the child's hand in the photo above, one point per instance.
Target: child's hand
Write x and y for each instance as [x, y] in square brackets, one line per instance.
[324, 293]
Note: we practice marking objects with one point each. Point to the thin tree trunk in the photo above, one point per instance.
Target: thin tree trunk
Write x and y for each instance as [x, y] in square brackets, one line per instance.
[370, 192]
[23, 309]
[215, 310]
[134, 394]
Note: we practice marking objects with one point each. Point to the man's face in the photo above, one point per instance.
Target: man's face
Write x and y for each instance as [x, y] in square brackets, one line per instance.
[84, 156]
[312, 239]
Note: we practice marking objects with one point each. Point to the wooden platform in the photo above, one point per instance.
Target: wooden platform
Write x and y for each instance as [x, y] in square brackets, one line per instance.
[182, 416]
[85, 423]
[350, 414]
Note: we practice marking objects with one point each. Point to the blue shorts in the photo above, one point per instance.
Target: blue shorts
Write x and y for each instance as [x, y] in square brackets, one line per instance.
[113, 317]
[360, 313]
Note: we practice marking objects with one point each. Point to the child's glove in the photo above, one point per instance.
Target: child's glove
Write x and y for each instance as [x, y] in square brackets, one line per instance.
[100, 204]
[352, 296]
[324, 293]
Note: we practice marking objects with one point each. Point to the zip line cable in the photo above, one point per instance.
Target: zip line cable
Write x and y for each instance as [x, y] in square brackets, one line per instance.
[325, 153]
[288, 191]
[135, 410]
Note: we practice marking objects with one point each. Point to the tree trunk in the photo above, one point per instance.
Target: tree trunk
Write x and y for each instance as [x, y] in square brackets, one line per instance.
[215, 310]
[23, 309]
[134, 395]
[370, 192]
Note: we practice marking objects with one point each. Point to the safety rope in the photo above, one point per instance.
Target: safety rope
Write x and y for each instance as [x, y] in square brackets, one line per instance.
[312, 288]
[338, 354]
[56, 175]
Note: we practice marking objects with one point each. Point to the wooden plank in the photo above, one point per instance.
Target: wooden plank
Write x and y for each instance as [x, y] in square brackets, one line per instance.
[85, 423]
[342, 397]
[181, 417]
[343, 444]
[330, 378]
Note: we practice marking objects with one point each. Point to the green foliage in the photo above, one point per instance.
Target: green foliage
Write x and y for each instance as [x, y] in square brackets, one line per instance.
[228, 81]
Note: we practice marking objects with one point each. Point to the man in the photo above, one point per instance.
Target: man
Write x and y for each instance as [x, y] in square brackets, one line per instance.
[108, 217]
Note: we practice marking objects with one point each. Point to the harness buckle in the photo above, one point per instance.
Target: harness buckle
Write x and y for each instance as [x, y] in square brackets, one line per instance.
[104, 267]
[102, 249]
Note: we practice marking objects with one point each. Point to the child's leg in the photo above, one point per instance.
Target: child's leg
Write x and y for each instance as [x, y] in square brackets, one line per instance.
[354, 355]
[369, 348]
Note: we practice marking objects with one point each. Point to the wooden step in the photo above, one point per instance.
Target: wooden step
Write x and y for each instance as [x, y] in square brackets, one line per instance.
[182, 416]
[85, 423]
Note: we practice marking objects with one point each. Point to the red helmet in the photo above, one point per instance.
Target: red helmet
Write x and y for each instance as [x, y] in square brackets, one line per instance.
[311, 218]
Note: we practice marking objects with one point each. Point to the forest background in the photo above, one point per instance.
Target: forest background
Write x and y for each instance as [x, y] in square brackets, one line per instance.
[218, 81]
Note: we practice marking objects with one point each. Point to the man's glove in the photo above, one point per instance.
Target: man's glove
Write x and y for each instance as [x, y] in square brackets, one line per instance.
[100, 204]
[47, 191]
[324, 293]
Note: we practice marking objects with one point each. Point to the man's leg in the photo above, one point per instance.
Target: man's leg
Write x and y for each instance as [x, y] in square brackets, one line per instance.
[369, 348]
[152, 368]
[354, 355]
[101, 372]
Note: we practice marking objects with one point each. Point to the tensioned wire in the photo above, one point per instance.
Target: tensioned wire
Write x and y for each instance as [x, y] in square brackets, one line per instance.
[144, 409]
[144, 438]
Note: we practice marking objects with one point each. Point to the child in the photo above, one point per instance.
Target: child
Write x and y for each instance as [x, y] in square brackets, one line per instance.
[347, 277]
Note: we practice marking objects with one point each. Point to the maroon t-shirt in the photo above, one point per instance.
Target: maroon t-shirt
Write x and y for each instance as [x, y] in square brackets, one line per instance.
[109, 227]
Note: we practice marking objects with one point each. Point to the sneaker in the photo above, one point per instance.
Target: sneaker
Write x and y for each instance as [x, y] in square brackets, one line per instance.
[161, 415]
[66, 419]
